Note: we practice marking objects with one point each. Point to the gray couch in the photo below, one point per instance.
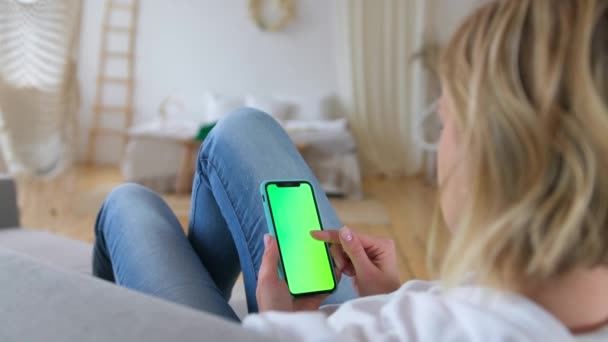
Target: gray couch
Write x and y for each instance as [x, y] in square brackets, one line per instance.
[48, 294]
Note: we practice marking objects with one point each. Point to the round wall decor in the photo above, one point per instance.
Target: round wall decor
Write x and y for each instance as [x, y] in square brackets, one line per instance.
[287, 9]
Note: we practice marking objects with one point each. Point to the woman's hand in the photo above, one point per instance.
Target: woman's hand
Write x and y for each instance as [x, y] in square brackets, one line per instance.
[272, 292]
[371, 261]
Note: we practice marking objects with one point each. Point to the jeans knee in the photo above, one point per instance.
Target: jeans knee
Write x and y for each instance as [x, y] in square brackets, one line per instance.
[240, 127]
[120, 202]
[128, 193]
[245, 121]
[123, 198]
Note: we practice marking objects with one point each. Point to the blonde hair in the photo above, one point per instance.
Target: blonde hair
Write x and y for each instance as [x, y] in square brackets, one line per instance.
[528, 81]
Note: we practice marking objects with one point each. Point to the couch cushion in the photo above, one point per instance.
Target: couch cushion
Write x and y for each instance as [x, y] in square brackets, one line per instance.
[42, 303]
[54, 249]
[73, 255]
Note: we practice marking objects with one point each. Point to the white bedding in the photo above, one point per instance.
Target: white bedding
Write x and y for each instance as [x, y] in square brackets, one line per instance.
[154, 153]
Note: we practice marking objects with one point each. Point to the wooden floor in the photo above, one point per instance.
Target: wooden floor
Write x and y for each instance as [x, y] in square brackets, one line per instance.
[69, 205]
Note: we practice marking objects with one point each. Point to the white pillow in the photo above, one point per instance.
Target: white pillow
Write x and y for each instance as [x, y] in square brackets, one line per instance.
[278, 109]
[312, 107]
[336, 125]
[182, 105]
[218, 106]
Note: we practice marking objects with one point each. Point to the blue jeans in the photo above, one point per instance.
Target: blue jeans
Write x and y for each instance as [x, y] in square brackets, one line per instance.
[140, 244]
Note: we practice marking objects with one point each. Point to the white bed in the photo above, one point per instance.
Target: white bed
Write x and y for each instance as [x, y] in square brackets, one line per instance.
[156, 151]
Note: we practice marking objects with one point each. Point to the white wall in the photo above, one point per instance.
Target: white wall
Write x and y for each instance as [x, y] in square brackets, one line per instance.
[186, 47]
[446, 15]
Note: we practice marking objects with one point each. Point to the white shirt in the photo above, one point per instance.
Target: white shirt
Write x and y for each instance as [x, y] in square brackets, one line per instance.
[420, 311]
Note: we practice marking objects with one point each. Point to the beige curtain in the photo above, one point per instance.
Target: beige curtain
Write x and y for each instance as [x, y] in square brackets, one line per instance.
[382, 85]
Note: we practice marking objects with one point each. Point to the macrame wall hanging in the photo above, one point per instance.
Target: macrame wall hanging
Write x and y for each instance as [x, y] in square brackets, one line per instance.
[38, 87]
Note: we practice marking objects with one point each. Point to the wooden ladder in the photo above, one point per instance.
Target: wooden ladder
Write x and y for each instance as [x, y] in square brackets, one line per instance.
[126, 59]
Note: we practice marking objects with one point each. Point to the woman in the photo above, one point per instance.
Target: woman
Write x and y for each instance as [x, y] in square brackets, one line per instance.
[521, 157]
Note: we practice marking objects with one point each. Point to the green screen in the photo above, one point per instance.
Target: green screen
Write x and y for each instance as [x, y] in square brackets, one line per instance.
[305, 260]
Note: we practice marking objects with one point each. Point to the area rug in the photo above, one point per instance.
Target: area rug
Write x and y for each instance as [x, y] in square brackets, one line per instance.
[368, 211]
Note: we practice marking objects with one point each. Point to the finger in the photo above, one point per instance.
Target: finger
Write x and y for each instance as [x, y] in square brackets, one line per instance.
[330, 236]
[341, 260]
[349, 269]
[338, 274]
[354, 250]
[270, 259]
[338, 255]
[366, 240]
[333, 236]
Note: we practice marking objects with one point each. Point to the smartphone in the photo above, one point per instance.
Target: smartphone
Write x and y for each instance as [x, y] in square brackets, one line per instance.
[291, 213]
